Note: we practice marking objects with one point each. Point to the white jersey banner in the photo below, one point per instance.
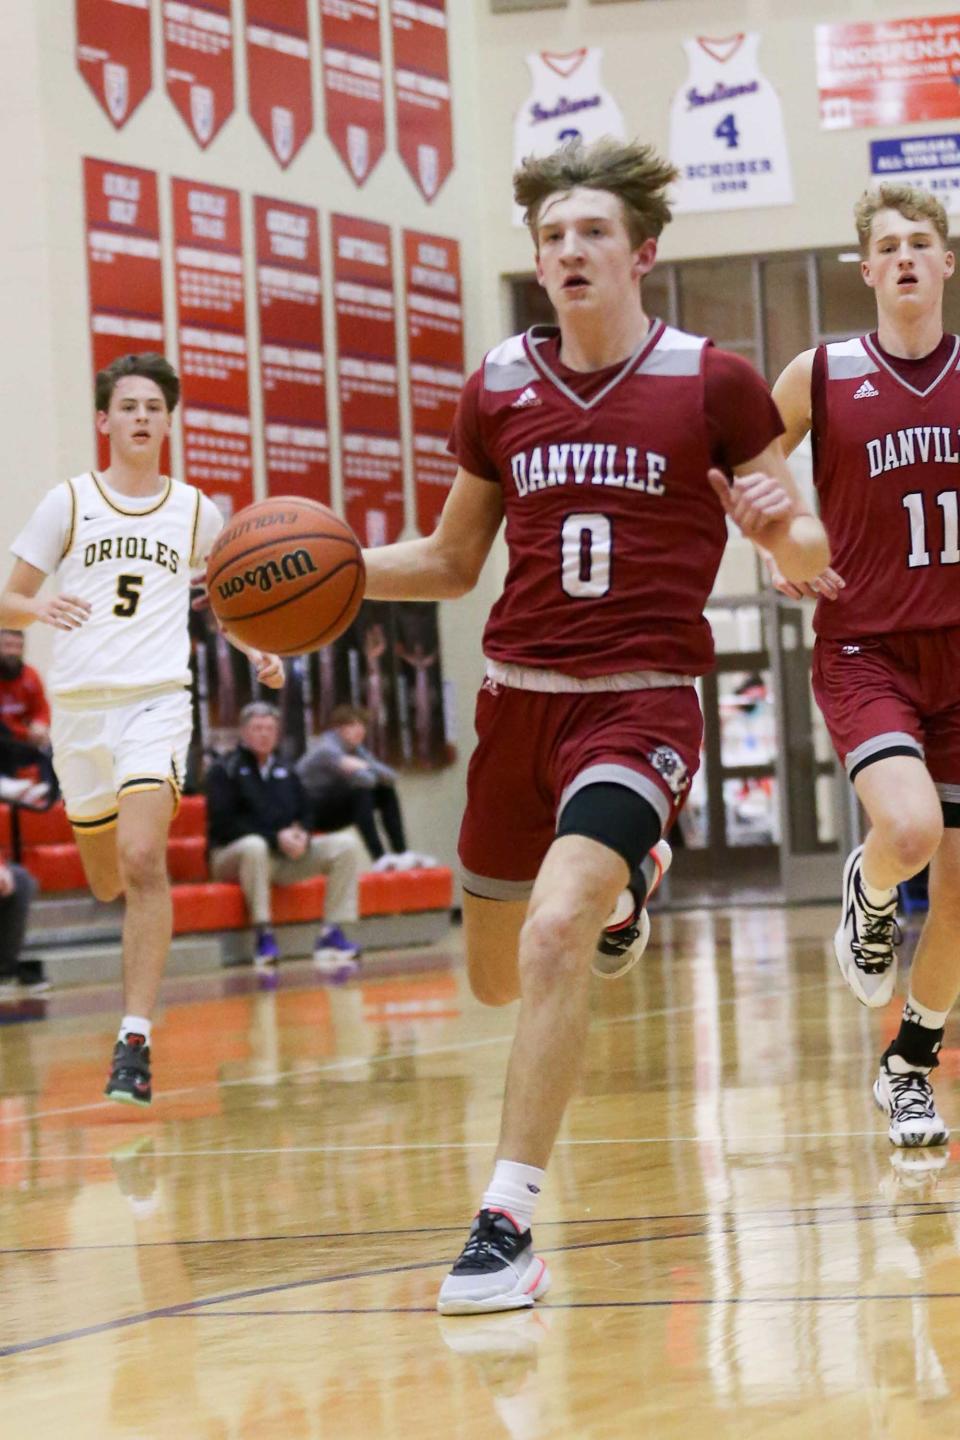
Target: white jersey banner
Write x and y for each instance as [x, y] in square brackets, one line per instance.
[726, 130]
[567, 100]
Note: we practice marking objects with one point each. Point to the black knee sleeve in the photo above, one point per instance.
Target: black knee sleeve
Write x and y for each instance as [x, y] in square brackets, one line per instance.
[614, 816]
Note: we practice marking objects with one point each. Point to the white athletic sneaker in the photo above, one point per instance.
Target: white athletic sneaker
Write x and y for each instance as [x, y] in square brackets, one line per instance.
[496, 1269]
[621, 946]
[866, 940]
[908, 1100]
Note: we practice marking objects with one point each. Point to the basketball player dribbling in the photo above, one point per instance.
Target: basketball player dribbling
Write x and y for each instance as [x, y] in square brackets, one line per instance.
[608, 445]
[122, 544]
[882, 411]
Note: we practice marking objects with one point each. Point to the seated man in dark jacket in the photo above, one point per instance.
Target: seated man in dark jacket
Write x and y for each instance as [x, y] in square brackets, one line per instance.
[258, 818]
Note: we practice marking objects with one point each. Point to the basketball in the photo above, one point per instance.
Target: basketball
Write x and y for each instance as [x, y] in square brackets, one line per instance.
[285, 575]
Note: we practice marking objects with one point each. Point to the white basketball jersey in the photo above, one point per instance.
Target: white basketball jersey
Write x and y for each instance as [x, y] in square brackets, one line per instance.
[726, 130]
[133, 567]
[567, 99]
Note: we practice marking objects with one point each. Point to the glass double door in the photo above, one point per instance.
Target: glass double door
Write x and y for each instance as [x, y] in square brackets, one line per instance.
[768, 813]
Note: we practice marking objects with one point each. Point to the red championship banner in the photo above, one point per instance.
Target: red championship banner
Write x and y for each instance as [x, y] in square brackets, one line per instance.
[371, 459]
[421, 74]
[290, 305]
[278, 74]
[213, 343]
[353, 82]
[113, 53]
[198, 58]
[123, 264]
[435, 348]
[889, 73]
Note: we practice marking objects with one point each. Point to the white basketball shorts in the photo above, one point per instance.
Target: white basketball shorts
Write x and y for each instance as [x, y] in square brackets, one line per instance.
[101, 754]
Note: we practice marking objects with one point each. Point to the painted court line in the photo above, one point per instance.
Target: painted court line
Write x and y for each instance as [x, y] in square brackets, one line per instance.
[192, 1307]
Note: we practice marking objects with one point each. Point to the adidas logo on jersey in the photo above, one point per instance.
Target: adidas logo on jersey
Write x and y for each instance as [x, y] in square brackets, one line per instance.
[865, 391]
[525, 398]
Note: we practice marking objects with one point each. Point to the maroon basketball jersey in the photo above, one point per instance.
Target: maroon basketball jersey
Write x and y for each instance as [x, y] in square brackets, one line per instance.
[885, 466]
[613, 532]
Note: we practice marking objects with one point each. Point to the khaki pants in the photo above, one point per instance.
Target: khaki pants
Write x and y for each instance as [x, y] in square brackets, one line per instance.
[251, 862]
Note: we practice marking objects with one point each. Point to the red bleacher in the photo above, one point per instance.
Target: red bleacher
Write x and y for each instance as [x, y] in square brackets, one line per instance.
[199, 904]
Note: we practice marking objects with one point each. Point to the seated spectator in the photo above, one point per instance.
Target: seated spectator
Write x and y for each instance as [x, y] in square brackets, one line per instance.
[24, 728]
[258, 816]
[17, 889]
[348, 785]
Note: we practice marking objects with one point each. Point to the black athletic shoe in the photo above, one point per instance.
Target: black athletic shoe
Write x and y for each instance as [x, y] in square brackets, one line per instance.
[496, 1270]
[33, 977]
[130, 1074]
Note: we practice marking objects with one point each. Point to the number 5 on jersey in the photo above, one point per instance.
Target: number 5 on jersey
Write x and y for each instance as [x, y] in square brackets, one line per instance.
[128, 595]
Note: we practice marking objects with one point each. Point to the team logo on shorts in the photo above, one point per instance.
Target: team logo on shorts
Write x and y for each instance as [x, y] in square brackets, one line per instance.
[671, 768]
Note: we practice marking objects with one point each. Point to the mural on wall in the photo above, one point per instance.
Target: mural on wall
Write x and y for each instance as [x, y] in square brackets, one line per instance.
[113, 53]
[889, 73]
[567, 100]
[123, 266]
[198, 62]
[421, 80]
[371, 461]
[931, 161]
[211, 320]
[290, 306]
[353, 83]
[435, 351]
[278, 74]
[727, 136]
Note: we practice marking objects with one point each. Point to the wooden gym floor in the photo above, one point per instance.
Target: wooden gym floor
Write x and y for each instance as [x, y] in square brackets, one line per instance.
[737, 1251]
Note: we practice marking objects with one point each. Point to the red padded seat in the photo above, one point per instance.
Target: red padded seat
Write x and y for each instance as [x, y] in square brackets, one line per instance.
[55, 867]
[207, 907]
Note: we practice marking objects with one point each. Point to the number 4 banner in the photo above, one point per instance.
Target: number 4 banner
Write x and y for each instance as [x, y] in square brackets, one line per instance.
[727, 136]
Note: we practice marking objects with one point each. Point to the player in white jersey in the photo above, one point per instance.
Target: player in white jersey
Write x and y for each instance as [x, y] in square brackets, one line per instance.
[122, 544]
[567, 99]
[727, 136]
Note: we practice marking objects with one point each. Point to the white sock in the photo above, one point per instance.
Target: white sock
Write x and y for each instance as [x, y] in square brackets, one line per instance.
[923, 1015]
[514, 1188]
[877, 899]
[135, 1025]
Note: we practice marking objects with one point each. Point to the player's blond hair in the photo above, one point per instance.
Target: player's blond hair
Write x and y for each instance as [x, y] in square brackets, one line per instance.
[635, 173]
[911, 202]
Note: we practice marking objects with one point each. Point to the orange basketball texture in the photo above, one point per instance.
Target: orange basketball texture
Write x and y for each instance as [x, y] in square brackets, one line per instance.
[285, 575]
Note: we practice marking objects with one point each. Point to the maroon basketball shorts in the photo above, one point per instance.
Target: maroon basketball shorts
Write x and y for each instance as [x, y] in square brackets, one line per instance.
[536, 750]
[894, 695]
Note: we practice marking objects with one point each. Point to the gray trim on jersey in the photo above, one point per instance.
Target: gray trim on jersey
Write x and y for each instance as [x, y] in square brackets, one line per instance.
[675, 353]
[893, 738]
[536, 336]
[633, 780]
[950, 793]
[508, 367]
[848, 360]
[489, 889]
[882, 361]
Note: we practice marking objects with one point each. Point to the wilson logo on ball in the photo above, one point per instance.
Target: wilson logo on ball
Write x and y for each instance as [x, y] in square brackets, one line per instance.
[294, 565]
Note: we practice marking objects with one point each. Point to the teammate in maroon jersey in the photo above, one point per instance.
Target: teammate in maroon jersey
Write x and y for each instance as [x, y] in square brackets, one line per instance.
[608, 446]
[883, 411]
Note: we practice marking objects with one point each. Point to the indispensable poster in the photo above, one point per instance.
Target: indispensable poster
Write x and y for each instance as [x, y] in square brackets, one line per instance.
[889, 73]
